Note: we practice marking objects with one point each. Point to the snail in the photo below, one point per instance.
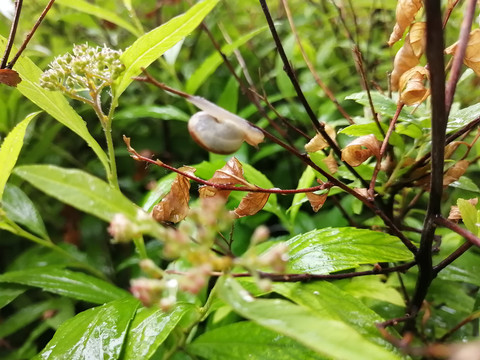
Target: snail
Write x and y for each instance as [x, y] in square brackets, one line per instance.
[218, 130]
[214, 128]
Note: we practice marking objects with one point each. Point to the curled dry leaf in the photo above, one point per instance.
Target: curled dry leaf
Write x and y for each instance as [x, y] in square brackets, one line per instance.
[454, 173]
[174, 206]
[455, 214]
[412, 86]
[9, 77]
[316, 200]
[409, 54]
[318, 142]
[405, 14]
[362, 191]
[361, 149]
[231, 174]
[472, 53]
[331, 163]
[251, 204]
[452, 147]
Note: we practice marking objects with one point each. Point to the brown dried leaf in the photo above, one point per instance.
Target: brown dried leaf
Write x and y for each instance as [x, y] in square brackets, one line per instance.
[316, 200]
[9, 77]
[174, 206]
[331, 163]
[318, 142]
[452, 147]
[472, 53]
[405, 14]
[361, 149]
[362, 191]
[409, 54]
[454, 173]
[417, 38]
[231, 174]
[251, 204]
[455, 214]
[412, 87]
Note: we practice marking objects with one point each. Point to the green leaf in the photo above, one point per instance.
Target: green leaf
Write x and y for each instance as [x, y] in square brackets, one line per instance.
[26, 315]
[9, 292]
[10, 150]
[333, 249]
[149, 329]
[67, 283]
[374, 288]
[372, 128]
[100, 12]
[463, 270]
[383, 105]
[153, 44]
[305, 181]
[78, 189]
[53, 102]
[469, 215]
[459, 118]
[329, 302]
[325, 336]
[211, 63]
[20, 208]
[167, 112]
[465, 183]
[247, 340]
[97, 333]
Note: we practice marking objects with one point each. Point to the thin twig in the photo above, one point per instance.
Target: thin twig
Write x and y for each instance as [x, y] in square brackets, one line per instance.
[13, 31]
[383, 149]
[363, 74]
[435, 46]
[311, 277]
[459, 53]
[30, 34]
[303, 157]
[253, 188]
[319, 81]
[320, 127]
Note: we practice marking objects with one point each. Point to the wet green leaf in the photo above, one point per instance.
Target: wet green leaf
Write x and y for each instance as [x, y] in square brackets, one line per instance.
[469, 215]
[9, 292]
[332, 249]
[20, 209]
[66, 283]
[247, 340]
[325, 336]
[305, 181]
[329, 302]
[153, 44]
[149, 329]
[97, 333]
[100, 12]
[10, 149]
[78, 189]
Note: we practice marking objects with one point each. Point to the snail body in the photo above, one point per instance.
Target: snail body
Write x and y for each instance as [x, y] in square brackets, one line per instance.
[218, 130]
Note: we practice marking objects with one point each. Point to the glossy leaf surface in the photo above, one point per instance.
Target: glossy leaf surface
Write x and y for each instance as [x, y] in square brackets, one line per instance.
[97, 333]
[78, 189]
[153, 44]
[10, 150]
[332, 249]
[149, 329]
[66, 283]
[247, 340]
[325, 336]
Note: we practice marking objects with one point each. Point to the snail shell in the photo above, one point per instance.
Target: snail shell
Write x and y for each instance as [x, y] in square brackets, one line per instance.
[220, 131]
[213, 135]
